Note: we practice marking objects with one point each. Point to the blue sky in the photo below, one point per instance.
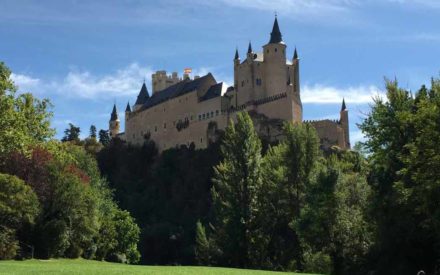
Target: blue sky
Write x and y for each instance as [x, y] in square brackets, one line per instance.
[86, 55]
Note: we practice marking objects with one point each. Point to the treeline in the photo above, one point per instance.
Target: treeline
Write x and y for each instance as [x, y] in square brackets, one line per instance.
[53, 201]
[293, 206]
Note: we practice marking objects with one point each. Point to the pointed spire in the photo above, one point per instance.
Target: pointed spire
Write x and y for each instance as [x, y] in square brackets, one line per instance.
[249, 48]
[128, 109]
[295, 54]
[275, 35]
[343, 108]
[143, 95]
[114, 115]
[236, 54]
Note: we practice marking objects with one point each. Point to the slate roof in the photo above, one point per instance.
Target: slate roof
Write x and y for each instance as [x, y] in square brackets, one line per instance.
[128, 108]
[181, 88]
[114, 115]
[275, 35]
[213, 91]
[143, 95]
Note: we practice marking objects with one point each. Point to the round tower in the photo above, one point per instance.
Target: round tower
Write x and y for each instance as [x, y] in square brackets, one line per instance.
[114, 123]
[274, 54]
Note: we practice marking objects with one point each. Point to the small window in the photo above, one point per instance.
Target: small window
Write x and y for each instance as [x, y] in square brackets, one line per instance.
[201, 140]
[242, 83]
[164, 125]
[155, 128]
[200, 117]
[216, 112]
[267, 50]
[212, 114]
[276, 49]
[203, 116]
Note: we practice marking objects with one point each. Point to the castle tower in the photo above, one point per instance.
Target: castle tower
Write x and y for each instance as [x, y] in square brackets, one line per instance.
[275, 63]
[250, 53]
[127, 110]
[343, 121]
[142, 97]
[114, 123]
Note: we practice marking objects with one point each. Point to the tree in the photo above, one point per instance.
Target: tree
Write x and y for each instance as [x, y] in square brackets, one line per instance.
[127, 235]
[71, 134]
[402, 141]
[18, 207]
[205, 249]
[237, 181]
[24, 120]
[334, 219]
[104, 137]
[287, 173]
[93, 132]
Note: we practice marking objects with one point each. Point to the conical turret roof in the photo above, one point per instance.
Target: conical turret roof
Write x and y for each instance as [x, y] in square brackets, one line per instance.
[114, 115]
[343, 108]
[275, 35]
[143, 95]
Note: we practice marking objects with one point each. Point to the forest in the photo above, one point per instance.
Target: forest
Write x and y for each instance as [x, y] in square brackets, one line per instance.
[288, 206]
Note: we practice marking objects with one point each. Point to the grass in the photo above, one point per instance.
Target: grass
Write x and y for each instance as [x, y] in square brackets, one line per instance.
[80, 266]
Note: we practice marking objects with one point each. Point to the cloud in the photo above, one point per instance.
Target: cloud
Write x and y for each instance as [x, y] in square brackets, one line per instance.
[83, 84]
[322, 94]
[124, 82]
[27, 83]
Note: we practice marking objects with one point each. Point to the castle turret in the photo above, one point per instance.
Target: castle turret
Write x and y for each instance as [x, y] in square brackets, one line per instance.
[275, 63]
[343, 121]
[127, 111]
[142, 97]
[250, 53]
[114, 123]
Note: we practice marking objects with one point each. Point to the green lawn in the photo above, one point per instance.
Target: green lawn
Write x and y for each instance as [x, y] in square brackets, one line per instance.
[94, 267]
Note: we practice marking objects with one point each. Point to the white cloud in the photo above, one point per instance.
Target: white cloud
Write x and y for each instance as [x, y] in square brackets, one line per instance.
[27, 83]
[123, 82]
[329, 95]
[83, 84]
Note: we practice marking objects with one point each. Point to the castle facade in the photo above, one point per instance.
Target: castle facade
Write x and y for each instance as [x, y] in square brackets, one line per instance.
[185, 111]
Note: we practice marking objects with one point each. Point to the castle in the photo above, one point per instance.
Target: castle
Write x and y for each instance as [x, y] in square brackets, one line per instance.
[184, 111]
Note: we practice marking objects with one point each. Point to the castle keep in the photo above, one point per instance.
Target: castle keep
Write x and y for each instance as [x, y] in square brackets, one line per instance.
[182, 111]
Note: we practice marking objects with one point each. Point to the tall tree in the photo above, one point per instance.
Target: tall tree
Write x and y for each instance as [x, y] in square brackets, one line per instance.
[236, 184]
[93, 131]
[287, 170]
[402, 139]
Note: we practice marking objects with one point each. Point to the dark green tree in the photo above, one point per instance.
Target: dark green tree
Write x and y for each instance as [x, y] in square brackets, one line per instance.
[93, 132]
[71, 134]
[287, 172]
[402, 142]
[104, 137]
[236, 184]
